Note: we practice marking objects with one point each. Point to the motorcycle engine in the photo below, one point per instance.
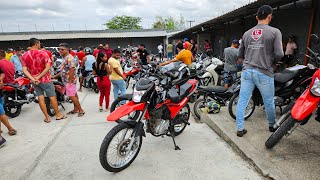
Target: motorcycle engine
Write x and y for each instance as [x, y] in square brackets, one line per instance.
[30, 97]
[158, 123]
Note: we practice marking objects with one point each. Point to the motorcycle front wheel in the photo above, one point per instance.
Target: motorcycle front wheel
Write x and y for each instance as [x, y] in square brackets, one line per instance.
[285, 126]
[232, 106]
[11, 109]
[114, 153]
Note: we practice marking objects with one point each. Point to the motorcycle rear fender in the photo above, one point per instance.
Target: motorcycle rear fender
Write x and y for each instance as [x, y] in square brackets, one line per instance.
[125, 110]
[8, 88]
[304, 106]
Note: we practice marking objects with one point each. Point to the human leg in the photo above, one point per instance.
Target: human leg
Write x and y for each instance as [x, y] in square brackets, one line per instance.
[265, 85]
[247, 86]
[4, 119]
[115, 88]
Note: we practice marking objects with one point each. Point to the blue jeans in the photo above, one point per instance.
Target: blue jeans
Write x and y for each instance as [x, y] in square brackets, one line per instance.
[118, 86]
[249, 79]
[1, 106]
[169, 55]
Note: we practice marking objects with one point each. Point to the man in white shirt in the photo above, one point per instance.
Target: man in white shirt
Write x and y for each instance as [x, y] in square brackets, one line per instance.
[160, 51]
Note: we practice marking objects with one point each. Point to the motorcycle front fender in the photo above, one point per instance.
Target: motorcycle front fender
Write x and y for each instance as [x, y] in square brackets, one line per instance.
[125, 110]
[207, 74]
[137, 125]
[304, 106]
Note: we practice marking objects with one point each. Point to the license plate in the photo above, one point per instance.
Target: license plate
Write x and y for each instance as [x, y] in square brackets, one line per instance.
[95, 79]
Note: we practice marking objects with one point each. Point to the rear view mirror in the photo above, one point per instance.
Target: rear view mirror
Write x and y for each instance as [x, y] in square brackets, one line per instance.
[314, 38]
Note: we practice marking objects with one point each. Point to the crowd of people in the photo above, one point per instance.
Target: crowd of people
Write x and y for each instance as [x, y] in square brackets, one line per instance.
[258, 50]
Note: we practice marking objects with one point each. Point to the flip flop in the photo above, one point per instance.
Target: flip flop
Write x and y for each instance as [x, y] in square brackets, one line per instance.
[12, 132]
[47, 121]
[72, 112]
[63, 117]
[81, 114]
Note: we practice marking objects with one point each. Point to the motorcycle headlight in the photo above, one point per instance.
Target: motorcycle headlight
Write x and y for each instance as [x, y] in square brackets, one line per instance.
[315, 90]
[137, 95]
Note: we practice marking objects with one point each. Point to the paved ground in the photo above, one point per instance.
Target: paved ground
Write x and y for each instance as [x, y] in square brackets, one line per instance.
[69, 150]
[295, 157]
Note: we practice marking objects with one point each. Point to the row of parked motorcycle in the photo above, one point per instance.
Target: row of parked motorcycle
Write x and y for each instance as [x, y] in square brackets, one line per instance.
[159, 103]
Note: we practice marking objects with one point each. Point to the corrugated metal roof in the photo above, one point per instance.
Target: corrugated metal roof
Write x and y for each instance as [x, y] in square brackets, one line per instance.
[239, 13]
[82, 34]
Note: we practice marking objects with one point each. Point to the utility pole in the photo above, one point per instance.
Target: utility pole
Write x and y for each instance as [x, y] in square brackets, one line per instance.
[190, 22]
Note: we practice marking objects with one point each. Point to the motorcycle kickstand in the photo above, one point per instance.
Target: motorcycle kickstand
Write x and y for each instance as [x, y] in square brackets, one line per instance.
[174, 142]
[62, 106]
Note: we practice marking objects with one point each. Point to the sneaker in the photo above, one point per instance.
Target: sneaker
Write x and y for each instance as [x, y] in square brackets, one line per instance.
[272, 129]
[241, 133]
[2, 142]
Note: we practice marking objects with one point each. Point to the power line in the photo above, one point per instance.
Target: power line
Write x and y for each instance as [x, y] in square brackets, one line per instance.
[190, 22]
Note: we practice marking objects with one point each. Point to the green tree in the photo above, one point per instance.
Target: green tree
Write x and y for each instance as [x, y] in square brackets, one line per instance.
[124, 22]
[168, 23]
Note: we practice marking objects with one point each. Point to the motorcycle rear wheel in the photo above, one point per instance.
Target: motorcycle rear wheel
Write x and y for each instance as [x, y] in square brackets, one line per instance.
[181, 125]
[11, 110]
[122, 157]
[232, 106]
[200, 103]
[285, 126]
[50, 109]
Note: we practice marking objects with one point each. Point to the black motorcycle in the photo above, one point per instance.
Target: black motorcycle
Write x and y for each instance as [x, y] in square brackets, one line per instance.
[289, 84]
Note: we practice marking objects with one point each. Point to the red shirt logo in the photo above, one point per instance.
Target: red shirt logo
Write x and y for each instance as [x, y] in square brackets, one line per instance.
[256, 34]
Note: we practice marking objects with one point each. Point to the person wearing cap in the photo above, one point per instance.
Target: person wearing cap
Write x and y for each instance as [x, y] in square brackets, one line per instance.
[16, 60]
[260, 49]
[230, 65]
[9, 54]
[186, 44]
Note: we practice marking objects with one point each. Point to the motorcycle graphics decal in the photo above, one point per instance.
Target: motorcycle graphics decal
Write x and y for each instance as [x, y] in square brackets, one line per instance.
[256, 34]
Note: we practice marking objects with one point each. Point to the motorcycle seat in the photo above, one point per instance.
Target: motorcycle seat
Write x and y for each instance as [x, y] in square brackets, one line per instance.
[176, 96]
[285, 76]
[58, 83]
[16, 86]
[218, 89]
[144, 84]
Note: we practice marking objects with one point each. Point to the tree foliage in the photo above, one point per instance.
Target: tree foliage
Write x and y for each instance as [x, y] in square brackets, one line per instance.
[124, 22]
[168, 23]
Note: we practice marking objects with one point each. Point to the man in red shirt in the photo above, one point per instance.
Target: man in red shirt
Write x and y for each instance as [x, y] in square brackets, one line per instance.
[80, 54]
[36, 66]
[72, 52]
[95, 52]
[8, 69]
[107, 50]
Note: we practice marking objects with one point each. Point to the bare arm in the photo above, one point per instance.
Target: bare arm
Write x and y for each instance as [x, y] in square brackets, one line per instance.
[44, 72]
[107, 67]
[168, 62]
[27, 73]
[83, 61]
[148, 59]
[71, 73]
[119, 73]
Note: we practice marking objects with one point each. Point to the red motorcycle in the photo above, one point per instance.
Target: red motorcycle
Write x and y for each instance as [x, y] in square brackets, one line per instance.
[130, 70]
[164, 106]
[15, 95]
[60, 90]
[301, 110]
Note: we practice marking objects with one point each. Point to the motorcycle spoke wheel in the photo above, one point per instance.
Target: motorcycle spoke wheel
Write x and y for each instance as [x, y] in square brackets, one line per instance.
[233, 107]
[180, 124]
[115, 153]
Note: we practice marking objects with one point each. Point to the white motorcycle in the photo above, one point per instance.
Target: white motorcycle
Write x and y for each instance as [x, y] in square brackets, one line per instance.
[210, 73]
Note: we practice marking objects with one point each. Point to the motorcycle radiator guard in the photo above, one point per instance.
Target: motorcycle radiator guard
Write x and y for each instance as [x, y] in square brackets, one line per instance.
[125, 110]
[304, 106]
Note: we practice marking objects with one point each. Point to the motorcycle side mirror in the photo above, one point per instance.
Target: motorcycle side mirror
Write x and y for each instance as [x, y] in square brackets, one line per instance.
[314, 38]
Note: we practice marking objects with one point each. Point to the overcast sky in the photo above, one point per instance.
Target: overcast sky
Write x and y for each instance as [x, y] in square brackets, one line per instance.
[57, 15]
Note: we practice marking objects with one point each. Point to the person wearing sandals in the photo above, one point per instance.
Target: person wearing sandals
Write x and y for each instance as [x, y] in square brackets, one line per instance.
[69, 78]
[36, 66]
[102, 70]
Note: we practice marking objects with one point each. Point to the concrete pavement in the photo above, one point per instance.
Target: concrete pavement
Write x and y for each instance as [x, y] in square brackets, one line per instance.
[295, 157]
[69, 149]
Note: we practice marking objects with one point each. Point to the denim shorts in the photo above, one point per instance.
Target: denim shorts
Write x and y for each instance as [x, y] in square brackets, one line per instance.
[45, 89]
[226, 76]
[1, 106]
